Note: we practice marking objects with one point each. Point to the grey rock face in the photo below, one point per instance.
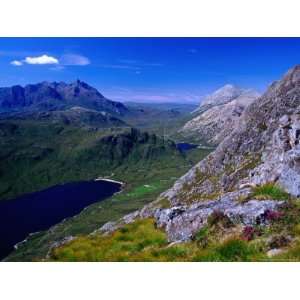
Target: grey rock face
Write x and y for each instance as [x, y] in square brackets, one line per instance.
[182, 222]
[281, 159]
[221, 119]
[221, 96]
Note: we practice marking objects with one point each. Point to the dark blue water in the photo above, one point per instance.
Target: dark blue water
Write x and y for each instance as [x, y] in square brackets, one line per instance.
[39, 211]
[186, 146]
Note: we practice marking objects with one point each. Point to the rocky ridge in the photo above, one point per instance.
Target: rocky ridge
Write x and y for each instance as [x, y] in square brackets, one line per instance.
[219, 114]
[47, 96]
[221, 96]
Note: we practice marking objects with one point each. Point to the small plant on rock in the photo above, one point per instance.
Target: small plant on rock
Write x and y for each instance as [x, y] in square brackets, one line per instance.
[219, 218]
[201, 237]
[269, 191]
[272, 215]
[279, 241]
[248, 233]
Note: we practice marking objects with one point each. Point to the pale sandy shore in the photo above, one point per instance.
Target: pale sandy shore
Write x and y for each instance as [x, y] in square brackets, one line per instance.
[109, 180]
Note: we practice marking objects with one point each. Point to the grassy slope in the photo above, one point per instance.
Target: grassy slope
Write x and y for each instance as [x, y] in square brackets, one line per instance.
[220, 240]
[145, 178]
[141, 241]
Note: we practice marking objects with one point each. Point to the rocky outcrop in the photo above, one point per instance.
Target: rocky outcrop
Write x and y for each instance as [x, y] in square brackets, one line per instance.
[219, 114]
[281, 158]
[182, 222]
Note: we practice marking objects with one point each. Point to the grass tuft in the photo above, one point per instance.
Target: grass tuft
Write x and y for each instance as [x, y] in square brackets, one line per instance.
[269, 191]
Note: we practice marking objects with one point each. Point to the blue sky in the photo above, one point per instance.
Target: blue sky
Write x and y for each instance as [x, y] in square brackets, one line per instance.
[149, 69]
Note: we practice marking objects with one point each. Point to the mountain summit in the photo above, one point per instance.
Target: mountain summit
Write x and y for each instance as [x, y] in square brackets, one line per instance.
[219, 114]
[221, 96]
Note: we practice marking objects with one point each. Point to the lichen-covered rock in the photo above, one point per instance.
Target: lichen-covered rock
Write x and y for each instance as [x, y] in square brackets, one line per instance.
[182, 222]
[281, 158]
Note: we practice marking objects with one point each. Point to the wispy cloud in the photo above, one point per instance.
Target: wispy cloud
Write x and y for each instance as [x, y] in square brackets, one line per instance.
[192, 50]
[119, 66]
[152, 95]
[151, 64]
[74, 60]
[128, 61]
[16, 63]
[140, 63]
[131, 64]
[57, 68]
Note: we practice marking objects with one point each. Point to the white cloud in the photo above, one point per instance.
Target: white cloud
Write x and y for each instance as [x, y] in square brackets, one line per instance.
[16, 63]
[41, 60]
[74, 60]
[59, 64]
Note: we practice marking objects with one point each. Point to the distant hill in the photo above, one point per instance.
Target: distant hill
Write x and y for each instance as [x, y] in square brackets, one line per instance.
[36, 154]
[76, 116]
[47, 96]
[163, 106]
[160, 118]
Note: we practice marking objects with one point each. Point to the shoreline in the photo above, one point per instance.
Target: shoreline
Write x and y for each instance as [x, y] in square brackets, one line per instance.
[109, 180]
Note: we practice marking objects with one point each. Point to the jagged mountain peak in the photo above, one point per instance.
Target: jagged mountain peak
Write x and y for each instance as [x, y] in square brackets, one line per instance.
[82, 84]
[47, 95]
